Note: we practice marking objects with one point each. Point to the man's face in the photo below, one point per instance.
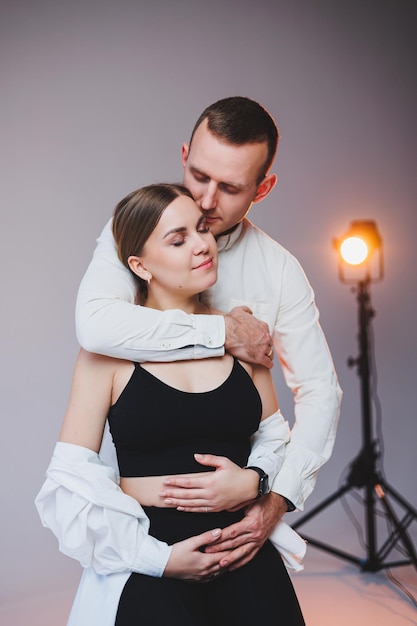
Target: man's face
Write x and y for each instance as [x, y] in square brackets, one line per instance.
[223, 178]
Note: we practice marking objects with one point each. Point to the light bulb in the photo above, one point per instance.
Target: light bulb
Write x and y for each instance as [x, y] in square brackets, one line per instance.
[354, 250]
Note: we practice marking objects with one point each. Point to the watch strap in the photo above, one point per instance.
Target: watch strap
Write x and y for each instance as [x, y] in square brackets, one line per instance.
[263, 487]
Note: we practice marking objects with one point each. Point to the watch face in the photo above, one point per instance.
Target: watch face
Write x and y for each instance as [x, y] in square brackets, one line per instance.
[263, 485]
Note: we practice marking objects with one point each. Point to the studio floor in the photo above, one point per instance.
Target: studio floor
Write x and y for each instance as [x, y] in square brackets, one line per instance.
[331, 592]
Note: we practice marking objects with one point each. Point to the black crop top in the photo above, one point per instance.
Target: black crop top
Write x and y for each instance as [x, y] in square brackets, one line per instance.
[157, 429]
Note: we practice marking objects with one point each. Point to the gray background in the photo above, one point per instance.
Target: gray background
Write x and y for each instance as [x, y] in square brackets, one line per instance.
[96, 99]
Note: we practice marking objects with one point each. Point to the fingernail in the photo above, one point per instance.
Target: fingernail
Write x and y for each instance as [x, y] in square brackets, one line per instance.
[216, 532]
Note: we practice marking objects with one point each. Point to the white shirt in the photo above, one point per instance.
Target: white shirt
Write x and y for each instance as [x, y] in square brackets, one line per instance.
[107, 531]
[256, 271]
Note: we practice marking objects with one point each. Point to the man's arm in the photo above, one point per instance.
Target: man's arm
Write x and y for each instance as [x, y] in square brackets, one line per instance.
[109, 322]
[309, 373]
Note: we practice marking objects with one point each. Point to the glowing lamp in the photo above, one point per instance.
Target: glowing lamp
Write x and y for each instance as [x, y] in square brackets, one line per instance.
[360, 253]
[354, 250]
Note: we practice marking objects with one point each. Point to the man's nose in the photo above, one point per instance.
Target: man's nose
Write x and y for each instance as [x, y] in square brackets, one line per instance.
[208, 199]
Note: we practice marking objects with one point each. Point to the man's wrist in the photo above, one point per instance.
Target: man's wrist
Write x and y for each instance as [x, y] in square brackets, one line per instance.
[290, 505]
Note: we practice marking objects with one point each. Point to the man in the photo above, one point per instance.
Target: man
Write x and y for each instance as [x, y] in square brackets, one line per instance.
[227, 168]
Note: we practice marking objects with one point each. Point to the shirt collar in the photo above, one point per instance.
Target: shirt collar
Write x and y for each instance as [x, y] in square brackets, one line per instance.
[225, 242]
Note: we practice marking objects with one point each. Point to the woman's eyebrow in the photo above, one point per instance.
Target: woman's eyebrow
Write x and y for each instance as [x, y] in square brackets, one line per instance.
[180, 229]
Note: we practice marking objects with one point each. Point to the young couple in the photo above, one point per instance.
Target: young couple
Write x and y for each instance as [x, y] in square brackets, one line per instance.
[164, 413]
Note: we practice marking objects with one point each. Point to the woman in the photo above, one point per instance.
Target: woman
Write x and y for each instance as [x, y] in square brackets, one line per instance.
[161, 415]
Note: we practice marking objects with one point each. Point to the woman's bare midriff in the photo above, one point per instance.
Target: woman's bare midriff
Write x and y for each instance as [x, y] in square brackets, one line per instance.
[145, 489]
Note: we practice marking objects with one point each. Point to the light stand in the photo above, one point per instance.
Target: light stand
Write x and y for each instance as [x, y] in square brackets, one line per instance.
[364, 474]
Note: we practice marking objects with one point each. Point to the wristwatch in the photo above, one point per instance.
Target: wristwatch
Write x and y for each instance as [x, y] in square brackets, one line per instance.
[263, 487]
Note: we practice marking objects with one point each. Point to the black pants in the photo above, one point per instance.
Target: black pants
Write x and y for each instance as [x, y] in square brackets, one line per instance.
[261, 592]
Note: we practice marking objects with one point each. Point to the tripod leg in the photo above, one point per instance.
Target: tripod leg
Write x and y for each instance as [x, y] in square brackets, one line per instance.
[406, 505]
[327, 502]
[398, 525]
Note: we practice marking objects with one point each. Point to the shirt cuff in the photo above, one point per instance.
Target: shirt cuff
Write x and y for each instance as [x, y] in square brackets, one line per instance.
[210, 330]
[152, 557]
[289, 485]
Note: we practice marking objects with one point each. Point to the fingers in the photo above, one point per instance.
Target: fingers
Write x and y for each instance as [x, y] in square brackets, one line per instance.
[268, 358]
[242, 308]
[186, 507]
[211, 460]
[197, 505]
[209, 537]
[233, 559]
[233, 537]
[194, 499]
[248, 338]
[239, 557]
[266, 361]
[189, 561]
[188, 481]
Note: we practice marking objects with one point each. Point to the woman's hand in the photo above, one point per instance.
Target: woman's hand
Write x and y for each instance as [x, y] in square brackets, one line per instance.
[229, 487]
[188, 561]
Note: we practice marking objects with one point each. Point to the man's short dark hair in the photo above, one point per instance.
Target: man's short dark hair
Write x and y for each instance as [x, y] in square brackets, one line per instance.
[238, 120]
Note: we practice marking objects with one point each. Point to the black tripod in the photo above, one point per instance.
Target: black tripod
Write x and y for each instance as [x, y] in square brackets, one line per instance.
[365, 475]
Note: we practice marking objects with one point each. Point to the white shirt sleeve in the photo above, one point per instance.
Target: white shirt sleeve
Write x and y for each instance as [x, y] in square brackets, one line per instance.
[95, 522]
[108, 322]
[269, 443]
[309, 373]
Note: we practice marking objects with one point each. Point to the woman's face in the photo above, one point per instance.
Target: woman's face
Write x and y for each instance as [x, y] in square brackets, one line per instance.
[180, 256]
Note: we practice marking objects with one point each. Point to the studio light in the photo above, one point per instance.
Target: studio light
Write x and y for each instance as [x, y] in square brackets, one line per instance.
[360, 253]
[360, 261]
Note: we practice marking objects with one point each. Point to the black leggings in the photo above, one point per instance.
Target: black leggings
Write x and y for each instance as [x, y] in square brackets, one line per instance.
[259, 592]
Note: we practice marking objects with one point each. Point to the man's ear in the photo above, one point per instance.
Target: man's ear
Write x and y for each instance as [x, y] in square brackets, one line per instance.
[136, 265]
[265, 187]
[184, 153]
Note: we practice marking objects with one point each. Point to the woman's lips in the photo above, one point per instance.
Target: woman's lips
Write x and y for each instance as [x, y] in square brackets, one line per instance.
[207, 264]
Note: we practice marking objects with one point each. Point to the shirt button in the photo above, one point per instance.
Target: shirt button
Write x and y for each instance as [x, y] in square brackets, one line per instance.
[166, 345]
[209, 341]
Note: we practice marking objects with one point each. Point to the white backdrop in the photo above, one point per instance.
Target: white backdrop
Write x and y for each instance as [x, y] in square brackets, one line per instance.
[96, 98]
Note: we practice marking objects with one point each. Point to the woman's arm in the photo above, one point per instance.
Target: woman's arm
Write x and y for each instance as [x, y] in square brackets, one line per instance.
[102, 527]
[89, 402]
[81, 502]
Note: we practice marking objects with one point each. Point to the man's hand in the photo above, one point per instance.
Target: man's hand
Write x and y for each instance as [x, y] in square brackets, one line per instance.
[247, 338]
[245, 538]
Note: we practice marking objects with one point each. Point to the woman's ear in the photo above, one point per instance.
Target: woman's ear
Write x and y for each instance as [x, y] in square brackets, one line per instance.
[136, 265]
[265, 187]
